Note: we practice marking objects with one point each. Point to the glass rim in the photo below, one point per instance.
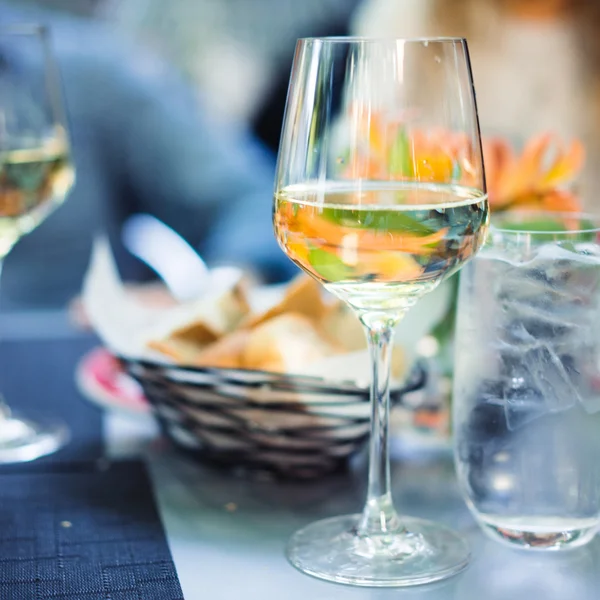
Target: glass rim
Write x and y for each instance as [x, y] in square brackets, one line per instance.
[357, 39]
[579, 215]
[25, 28]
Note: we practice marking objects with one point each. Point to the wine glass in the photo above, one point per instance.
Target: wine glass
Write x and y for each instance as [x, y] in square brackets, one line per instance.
[36, 175]
[380, 195]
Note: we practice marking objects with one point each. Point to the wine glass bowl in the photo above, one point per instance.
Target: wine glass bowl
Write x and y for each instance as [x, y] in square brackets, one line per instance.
[36, 173]
[380, 245]
[380, 195]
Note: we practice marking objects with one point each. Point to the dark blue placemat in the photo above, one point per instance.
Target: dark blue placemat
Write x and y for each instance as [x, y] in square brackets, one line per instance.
[87, 531]
[37, 377]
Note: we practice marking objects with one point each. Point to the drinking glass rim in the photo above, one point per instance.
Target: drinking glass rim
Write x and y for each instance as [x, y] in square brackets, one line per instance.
[355, 39]
[594, 218]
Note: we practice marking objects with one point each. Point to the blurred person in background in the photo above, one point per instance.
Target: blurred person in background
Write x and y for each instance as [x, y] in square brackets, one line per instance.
[237, 52]
[141, 142]
[536, 63]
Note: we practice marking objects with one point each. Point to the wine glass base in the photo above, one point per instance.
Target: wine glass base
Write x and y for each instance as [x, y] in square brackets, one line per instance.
[421, 553]
[23, 440]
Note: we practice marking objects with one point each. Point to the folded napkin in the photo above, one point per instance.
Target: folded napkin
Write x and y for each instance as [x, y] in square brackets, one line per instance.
[87, 531]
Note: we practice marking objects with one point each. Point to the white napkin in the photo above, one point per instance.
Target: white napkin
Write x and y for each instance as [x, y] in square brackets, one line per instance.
[118, 319]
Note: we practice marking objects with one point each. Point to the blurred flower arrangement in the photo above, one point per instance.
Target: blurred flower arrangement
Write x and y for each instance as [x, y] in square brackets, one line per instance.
[542, 176]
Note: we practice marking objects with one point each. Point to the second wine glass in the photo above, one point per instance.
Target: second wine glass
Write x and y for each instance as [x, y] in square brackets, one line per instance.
[36, 174]
[380, 195]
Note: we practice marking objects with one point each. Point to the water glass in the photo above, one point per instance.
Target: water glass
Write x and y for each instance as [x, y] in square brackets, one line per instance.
[527, 381]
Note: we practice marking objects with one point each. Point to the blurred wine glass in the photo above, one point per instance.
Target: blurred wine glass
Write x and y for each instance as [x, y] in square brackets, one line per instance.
[36, 174]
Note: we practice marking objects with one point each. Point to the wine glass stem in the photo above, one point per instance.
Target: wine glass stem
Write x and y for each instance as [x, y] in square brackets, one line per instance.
[379, 516]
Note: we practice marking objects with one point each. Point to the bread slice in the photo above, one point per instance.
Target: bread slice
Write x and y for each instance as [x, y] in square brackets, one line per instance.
[191, 327]
[285, 344]
[304, 296]
[215, 318]
[226, 353]
[180, 351]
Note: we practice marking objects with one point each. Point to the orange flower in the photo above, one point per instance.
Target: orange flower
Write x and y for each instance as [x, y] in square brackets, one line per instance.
[535, 179]
[315, 227]
[384, 149]
[391, 266]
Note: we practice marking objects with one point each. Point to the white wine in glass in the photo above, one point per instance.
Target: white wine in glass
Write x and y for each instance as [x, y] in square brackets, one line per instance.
[36, 175]
[380, 195]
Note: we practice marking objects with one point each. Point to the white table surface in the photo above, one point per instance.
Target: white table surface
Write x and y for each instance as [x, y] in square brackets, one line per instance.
[227, 534]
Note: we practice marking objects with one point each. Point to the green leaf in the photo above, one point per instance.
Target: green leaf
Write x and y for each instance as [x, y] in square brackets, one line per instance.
[400, 160]
[394, 220]
[535, 225]
[328, 265]
[380, 220]
[587, 224]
